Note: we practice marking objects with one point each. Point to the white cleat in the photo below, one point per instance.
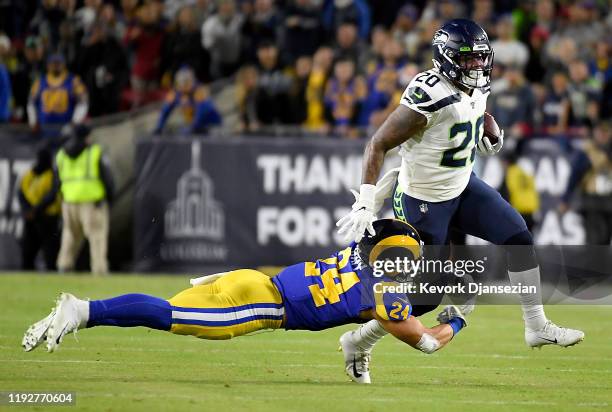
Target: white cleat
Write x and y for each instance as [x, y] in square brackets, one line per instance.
[356, 360]
[37, 333]
[66, 320]
[552, 334]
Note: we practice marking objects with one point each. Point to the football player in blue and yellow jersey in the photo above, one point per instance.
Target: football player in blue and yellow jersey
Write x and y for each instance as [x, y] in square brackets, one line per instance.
[57, 98]
[344, 288]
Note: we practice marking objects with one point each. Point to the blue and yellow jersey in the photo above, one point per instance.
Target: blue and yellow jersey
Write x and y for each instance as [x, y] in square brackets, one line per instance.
[56, 97]
[333, 291]
[197, 109]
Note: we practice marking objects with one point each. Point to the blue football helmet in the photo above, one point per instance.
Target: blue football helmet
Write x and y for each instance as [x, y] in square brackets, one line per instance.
[462, 52]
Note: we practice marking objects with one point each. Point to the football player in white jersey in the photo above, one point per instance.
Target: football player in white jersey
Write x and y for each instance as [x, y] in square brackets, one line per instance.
[439, 125]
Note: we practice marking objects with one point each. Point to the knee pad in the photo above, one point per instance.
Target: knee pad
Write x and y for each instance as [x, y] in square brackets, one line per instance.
[428, 344]
[520, 252]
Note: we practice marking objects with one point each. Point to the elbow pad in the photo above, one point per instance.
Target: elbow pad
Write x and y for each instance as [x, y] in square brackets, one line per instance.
[428, 344]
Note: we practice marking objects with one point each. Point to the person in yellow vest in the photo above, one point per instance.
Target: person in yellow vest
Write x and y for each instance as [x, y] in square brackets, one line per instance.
[41, 207]
[86, 185]
[520, 191]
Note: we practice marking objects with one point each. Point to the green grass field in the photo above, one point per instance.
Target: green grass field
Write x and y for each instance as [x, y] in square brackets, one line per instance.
[487, 367]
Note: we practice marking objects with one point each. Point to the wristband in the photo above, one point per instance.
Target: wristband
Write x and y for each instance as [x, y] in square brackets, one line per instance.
[367, 196]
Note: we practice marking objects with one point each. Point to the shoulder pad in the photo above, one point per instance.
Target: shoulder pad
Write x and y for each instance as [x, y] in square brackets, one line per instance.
[428, 93]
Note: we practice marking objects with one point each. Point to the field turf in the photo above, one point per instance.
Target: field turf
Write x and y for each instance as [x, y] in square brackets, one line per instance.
[487, 367]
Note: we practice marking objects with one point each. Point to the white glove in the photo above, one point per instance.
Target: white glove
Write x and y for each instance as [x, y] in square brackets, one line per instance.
[485, 147]
[451, 312]
[354, 225]
[348, 226]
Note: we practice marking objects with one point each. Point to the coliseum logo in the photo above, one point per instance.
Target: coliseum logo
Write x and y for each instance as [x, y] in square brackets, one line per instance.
[195, 213]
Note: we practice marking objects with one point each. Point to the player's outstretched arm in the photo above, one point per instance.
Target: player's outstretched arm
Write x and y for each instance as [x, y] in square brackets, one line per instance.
[415, 334]
[401, 125]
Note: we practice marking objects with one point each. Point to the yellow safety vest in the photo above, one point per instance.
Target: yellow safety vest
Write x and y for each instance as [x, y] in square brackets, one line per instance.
[521, 190]
[80, 177]
[35, 187]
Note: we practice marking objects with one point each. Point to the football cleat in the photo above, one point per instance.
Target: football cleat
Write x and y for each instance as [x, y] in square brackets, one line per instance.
[37, 333]
[552, 334]
[356, 359]
[66, 320]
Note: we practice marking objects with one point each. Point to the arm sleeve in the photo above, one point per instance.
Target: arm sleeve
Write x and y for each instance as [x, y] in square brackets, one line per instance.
[107, 179]
[580, 166]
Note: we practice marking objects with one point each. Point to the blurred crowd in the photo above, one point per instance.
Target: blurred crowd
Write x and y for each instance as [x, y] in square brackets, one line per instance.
[326, 66]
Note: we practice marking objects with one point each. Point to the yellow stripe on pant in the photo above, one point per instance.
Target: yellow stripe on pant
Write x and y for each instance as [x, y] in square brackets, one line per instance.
[237, 303]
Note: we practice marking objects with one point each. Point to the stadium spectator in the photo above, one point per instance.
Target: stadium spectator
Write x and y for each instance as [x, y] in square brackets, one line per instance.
[145, 37]
[555, 107]
[381, 99]
[349, 46]
[221, 36]
[182, 47]
[315, 89]
[262, 25]
[47, 20]
[592, 171]
[298, 106]
[508, 50]
[116, 27]
[56, 99]
[193, 99]
[129, 12]
[535, 69]
[518, 188]
[5, 81]
[86, 184]
[272, 87]
[104, 68]
[545, 12]
[384, 13]
[344, 95]
[405, 29]
[583, 96]
[600, 67]
[513, 103]
[203, 9]
[86, 16]
[41, 208]
[447, 9]
[69, 43]
[246, 90]
[483, 13]
[302, 28]
[29, 67]
[337, 12]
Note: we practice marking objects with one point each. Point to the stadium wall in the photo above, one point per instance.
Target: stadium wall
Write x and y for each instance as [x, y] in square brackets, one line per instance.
[246, 201]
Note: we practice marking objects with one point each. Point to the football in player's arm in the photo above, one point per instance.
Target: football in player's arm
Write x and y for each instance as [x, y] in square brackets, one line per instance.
[338, 290]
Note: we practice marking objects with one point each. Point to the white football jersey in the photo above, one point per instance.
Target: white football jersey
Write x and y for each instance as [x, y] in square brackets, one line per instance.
[437, 163]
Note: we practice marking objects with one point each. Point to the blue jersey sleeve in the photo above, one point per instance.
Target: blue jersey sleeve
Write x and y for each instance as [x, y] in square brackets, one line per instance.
[391, 302]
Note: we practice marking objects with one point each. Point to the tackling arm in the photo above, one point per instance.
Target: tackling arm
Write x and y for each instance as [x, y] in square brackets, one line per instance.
[415, 334]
